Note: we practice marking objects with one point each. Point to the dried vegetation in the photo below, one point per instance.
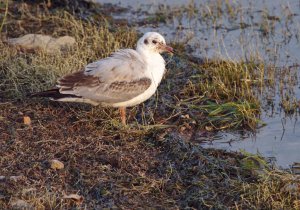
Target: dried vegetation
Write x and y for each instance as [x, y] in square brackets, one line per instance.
[150, 164]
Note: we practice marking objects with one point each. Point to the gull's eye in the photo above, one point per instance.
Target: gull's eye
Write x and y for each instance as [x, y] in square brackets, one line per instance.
[154, 41]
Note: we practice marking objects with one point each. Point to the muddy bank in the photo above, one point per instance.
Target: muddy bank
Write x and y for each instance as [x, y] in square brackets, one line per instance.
[151, 163]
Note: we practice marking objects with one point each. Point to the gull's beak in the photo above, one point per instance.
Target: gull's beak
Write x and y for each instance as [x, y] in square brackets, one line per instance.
[166, 48]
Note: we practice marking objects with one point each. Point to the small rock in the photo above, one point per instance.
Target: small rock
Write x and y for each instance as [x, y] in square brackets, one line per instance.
[2, 178]
[26, 120]
[56, 164]
[46, 43]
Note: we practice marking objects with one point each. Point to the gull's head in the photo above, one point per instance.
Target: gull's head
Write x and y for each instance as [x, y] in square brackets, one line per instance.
[153, 42]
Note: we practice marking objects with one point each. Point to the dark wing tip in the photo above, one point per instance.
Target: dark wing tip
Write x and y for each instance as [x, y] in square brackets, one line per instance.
[53, 93]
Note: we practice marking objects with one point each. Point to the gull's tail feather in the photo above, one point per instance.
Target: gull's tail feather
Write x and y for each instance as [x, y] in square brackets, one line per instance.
[53, 94]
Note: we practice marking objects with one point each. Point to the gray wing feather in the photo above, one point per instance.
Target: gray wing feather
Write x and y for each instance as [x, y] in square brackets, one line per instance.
[118, 78]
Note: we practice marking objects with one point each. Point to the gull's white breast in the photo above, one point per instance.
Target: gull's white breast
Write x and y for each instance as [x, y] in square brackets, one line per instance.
[155, 71]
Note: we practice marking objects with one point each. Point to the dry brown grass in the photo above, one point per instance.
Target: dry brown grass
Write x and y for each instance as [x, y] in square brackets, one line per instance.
[112, 167]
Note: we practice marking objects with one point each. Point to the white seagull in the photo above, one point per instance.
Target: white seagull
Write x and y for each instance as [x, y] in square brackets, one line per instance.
[127, 78]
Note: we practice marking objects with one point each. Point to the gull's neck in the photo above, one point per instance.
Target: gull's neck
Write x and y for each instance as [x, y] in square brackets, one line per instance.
[155, 64]
[147, 54]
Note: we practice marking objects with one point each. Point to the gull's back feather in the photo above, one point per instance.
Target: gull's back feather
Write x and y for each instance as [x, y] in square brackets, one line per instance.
[115, 79]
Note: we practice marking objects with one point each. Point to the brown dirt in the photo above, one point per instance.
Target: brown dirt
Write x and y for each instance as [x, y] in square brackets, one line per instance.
[109, 167]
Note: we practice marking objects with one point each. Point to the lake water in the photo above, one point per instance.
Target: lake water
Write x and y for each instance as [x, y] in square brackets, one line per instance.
[269, 30]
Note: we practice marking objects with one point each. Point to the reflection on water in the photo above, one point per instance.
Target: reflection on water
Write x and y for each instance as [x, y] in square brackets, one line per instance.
[279, 139]
[268, 30]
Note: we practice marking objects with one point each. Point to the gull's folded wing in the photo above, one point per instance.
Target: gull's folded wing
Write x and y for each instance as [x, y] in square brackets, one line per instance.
[118, 78]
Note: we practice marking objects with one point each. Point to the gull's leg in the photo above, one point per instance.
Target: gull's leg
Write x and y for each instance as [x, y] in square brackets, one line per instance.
[123, 115]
